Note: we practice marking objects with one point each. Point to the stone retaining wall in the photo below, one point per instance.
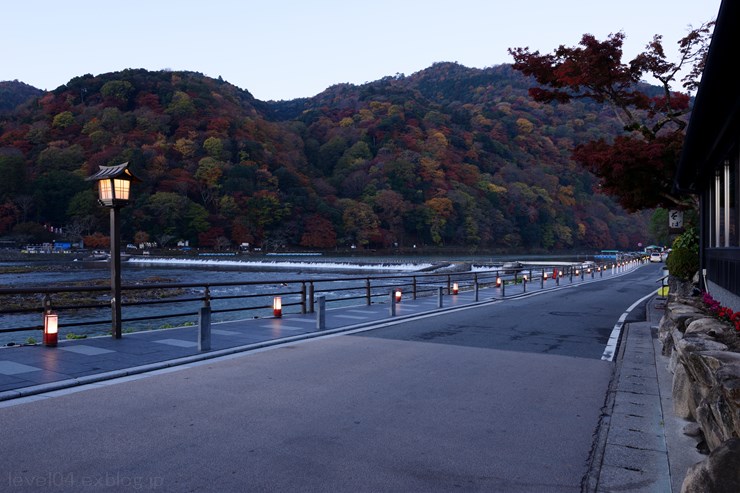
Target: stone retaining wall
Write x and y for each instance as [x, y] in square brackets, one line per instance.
[706, 388]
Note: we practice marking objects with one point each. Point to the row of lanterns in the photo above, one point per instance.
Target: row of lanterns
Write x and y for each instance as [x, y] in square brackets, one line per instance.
[277, 301]
[114, 188]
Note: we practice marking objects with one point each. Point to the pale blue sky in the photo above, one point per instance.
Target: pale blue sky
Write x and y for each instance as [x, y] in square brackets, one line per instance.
[284, 49]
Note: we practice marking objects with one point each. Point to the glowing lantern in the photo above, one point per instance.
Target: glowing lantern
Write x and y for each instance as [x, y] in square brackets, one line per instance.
[51, 328]
[277, 306]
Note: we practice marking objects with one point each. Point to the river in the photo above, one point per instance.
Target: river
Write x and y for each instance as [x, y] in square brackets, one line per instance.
[267, 271]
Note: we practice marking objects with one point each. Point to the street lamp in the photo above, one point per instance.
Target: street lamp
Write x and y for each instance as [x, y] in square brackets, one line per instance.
[114, 185]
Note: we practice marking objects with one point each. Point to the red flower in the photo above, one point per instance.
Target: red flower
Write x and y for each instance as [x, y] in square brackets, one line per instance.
[721, 312]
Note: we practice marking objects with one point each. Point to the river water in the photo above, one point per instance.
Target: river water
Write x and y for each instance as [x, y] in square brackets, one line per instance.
[267, 271]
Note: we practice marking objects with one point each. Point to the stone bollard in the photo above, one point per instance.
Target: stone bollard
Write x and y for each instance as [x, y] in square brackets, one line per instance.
[204, 328]
[321, 313]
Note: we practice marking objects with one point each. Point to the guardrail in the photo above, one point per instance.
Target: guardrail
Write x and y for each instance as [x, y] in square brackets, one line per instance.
[83, 305]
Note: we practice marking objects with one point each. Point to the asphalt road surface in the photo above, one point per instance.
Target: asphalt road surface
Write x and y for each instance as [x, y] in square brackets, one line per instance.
[505, 397]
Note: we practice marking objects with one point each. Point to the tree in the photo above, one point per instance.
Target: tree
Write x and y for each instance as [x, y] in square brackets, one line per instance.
[8, 216]
[54, 191]
[117, 91]
[360, 222]
[97, 240]
[13, 172]
[654, 124]
[79, 228]
[439, 210]
[141, 237]
[391, 208]
[318, 232]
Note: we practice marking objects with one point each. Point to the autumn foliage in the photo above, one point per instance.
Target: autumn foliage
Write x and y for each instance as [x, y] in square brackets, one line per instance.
[637, 167]
[449, 156]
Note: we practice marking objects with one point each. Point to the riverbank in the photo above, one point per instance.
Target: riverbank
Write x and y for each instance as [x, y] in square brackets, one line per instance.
[436, 253]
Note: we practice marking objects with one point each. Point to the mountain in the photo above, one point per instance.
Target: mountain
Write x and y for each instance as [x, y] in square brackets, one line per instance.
[14, 94]
[449, 156]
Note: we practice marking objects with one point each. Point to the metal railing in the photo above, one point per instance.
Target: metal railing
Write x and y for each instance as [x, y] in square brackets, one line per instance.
[84, 305]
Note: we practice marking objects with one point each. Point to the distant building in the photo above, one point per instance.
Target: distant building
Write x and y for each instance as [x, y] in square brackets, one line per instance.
[710, 160]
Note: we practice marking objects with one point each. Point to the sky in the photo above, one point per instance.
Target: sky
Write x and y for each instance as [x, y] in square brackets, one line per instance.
[286, 49]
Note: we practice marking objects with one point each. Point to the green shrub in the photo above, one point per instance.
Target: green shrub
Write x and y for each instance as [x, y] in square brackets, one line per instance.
[683, 261]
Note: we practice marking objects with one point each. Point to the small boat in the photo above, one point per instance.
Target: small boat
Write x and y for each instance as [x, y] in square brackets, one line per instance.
[104, 257]
[97, 257]
[511, 267]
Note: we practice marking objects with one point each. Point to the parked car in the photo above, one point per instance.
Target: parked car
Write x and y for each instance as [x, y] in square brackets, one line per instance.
[656, 257]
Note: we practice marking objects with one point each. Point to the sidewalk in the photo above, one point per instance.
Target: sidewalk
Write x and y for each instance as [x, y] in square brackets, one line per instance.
[34, 369]
[641, 445]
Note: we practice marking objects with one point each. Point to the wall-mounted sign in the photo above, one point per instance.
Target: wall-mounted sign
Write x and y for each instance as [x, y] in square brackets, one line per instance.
[675, 219]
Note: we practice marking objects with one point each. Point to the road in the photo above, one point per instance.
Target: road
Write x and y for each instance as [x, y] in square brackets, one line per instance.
[503, 397]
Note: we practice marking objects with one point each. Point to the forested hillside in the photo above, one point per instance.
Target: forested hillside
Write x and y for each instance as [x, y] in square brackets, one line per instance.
[449, 156]
[14, 94]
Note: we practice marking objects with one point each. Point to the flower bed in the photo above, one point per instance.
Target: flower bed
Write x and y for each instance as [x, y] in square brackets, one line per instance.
[721, 312]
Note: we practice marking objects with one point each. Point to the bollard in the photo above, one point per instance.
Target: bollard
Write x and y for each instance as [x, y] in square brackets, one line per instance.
[439, 297]
[204, 322]
[393, 303]
[321, 313]
[204, 328]
[475, 290]
[503, 289]
[310, 296]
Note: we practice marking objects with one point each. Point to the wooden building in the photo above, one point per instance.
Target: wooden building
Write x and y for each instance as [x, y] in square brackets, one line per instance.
[710, 161]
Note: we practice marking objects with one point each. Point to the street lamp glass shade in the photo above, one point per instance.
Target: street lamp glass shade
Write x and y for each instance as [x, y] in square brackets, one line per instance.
[121, 189]
[113, 191]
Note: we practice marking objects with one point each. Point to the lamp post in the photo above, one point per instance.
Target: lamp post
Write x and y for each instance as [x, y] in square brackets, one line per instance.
[114, 185]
